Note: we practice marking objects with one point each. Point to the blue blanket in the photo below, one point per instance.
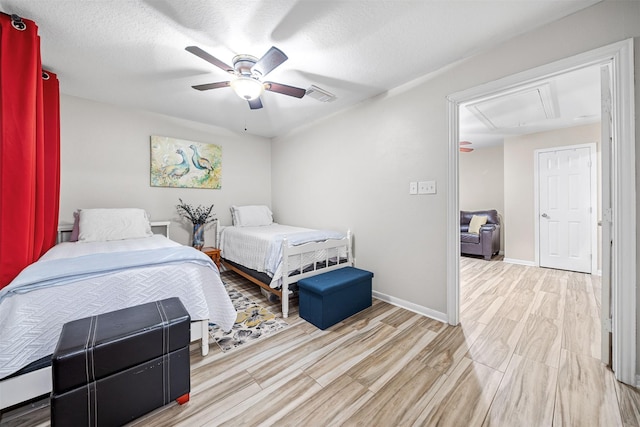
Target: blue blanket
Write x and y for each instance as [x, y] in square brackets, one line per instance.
[58, 272]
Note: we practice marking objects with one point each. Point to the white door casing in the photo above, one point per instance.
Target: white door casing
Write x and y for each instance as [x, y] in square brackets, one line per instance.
[566, 217]
[605, 221]
[619, 56]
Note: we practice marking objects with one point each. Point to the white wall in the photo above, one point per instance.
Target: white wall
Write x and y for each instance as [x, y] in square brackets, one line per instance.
[482, 179]
[353, 169]
[481, 182]
[519, 174]
[105, 162]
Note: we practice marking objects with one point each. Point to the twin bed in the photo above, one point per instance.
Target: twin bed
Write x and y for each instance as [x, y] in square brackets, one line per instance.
[275, 256]
[118, 262]
[92, 276]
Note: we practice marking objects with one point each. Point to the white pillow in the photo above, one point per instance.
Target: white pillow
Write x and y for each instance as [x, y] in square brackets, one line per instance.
[251, 216]
[477, 222]
[101, 225]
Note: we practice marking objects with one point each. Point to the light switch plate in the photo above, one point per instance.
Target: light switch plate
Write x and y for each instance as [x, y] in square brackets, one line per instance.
[427, 187]
[413, 187]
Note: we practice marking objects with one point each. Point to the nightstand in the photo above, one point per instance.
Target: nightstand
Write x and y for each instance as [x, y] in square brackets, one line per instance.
[214, 254]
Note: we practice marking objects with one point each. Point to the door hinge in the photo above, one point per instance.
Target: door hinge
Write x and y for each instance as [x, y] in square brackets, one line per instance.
[606, 324]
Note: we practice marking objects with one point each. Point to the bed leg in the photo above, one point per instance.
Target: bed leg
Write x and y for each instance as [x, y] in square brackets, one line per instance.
[285, 299]
[205, 338]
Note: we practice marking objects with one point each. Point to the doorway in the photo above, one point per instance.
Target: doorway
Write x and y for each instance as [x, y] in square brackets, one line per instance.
[619, 58]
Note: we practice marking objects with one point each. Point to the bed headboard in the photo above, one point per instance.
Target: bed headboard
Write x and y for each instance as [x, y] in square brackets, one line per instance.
[157, 227]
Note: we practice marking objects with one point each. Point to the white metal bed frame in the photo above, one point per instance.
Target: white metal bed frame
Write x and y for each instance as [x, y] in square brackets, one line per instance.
[333, 247]
[36, 383]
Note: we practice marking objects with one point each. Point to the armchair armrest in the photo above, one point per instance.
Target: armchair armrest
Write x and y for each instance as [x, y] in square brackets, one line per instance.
[490, 239]
[488, 227]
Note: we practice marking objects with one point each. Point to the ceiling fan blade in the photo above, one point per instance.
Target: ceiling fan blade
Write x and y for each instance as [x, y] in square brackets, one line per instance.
[209, 58]
[208, 86]
[284, 89]
[465, 150]
[269, 61]
[465, 142]
[255, 104]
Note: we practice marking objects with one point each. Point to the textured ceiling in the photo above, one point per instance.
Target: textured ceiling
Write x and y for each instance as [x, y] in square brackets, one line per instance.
[131, 53]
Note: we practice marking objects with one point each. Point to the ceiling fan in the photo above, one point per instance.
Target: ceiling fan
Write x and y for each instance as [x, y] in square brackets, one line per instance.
[464, 149]
[249, 71]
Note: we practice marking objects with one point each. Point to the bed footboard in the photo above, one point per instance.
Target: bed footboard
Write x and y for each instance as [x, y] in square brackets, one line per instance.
[25, 387]
[336, 254]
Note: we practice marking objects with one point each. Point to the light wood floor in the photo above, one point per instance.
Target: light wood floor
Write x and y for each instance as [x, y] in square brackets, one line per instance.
[525, 354]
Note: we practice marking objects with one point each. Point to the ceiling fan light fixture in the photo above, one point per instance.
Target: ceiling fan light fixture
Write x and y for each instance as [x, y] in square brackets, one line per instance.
[247, 88]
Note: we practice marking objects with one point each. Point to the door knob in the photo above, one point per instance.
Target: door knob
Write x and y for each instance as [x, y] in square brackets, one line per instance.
[544, 215]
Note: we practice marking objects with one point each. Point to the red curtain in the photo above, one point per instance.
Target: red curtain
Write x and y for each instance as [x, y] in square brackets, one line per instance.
[29, 149]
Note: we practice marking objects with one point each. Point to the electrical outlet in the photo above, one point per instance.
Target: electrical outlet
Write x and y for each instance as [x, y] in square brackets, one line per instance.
[427, 187]
[413, 187]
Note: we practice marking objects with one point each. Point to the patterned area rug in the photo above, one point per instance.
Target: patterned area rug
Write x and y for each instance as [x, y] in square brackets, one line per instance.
[253, 322]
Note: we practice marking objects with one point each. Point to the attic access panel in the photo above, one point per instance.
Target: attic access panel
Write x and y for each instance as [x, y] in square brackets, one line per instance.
[516, 109]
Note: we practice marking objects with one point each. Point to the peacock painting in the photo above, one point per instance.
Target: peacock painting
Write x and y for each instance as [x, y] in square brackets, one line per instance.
[200, 162]
[181, 163]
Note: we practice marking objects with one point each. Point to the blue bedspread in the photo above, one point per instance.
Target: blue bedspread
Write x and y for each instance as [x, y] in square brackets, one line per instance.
[67, 270]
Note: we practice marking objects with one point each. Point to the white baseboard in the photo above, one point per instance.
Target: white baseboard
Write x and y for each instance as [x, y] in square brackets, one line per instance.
[519, 262]
[436, 315]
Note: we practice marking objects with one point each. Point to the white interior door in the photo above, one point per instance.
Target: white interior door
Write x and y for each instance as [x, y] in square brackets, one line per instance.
[606, 220]
[565, 208]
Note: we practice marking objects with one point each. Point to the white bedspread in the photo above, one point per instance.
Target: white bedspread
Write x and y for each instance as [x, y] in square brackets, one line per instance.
[30, 322]
[260, 248]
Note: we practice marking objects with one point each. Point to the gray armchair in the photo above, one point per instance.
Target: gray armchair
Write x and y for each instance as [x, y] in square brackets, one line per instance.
[487, 241]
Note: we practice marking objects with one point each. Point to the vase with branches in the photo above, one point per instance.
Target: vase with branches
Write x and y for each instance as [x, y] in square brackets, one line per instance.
[199, 217]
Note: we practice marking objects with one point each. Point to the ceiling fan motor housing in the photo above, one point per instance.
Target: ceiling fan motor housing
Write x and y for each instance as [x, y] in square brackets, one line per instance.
[242, 65]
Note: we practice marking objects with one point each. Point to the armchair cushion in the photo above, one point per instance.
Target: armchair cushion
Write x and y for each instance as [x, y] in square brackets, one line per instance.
[477, 221]
[469, 238]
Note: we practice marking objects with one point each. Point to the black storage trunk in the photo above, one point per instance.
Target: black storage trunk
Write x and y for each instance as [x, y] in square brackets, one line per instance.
[112, 368]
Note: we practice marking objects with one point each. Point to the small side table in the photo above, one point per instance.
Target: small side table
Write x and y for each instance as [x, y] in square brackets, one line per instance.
[214, 254]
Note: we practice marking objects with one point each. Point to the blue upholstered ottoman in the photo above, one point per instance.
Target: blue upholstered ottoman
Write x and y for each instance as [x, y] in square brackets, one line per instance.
[328, 298]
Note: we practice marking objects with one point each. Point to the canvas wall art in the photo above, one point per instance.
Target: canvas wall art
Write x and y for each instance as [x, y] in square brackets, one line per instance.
[180, 163]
